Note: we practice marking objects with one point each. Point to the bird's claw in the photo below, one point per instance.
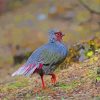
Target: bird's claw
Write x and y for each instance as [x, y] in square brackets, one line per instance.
[53, 80]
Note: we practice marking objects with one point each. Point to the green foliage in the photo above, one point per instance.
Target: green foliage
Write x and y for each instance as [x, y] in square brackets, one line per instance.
[14, 85]
[98, 78]
[5, 99]
[39, 98]
[89, 53]
[70, 86]
[62, 98]
[97, 98]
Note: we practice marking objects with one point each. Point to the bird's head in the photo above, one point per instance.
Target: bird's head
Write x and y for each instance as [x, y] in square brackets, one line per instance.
[55, 35]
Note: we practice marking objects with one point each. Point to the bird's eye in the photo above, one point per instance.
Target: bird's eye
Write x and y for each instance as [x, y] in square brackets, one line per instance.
[58, 33]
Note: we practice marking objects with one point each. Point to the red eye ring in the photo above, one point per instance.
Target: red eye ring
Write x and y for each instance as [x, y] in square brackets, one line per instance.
[59, 34]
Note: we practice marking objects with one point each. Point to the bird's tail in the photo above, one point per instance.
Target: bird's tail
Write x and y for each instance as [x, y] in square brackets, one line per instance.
[26, 70]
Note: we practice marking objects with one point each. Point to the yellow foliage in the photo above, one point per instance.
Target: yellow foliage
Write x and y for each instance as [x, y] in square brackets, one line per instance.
[95, 42]
[91, 42]
[72, 53]
[89, 53]
[95, 58]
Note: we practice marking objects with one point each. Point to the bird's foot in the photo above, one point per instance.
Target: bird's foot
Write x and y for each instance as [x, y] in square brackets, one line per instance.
[43, 83]
[53, 79]
[43, 87]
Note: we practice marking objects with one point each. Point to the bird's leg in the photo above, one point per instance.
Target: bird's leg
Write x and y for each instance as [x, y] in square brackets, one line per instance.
[37, 90]
[53, 78]
[43, 84]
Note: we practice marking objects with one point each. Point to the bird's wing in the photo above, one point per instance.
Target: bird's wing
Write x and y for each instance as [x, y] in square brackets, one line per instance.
[45, 55]
[50, 56]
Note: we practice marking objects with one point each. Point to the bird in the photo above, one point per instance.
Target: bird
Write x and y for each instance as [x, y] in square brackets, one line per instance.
[45, 59]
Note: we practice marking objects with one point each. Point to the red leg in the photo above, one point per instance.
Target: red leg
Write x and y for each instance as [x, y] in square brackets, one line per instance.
[43, 84]
[53, 78]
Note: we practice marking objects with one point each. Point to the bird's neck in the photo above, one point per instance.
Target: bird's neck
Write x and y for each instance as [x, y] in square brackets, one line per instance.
[54, 41]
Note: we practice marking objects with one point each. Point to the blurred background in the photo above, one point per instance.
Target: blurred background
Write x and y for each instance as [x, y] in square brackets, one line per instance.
[24, 26]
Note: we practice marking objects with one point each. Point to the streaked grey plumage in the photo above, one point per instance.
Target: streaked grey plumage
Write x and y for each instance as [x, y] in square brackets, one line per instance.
[49, 55]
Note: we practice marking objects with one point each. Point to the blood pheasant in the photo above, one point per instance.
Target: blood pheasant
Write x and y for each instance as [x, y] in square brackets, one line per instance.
[45, 59]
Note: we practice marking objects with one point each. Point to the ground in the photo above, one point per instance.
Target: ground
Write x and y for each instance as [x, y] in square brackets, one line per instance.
[74, 82]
